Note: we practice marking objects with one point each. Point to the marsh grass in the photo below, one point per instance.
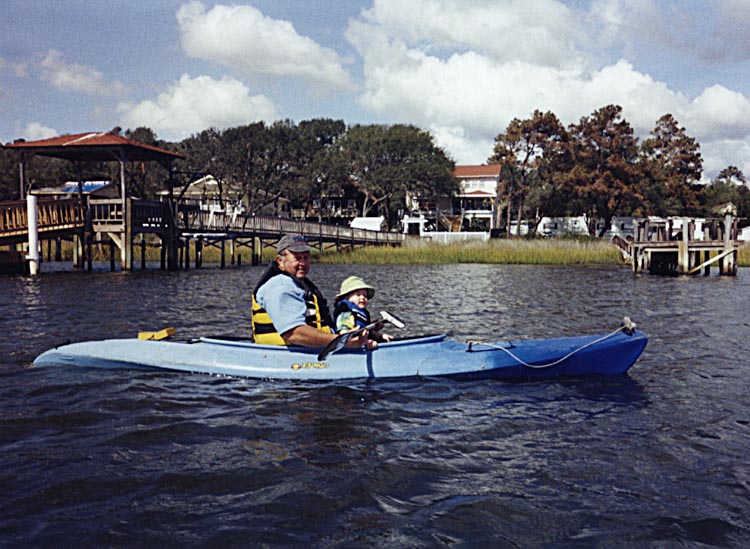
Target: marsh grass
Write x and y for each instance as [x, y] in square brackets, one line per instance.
[743, 256]
[514, 251]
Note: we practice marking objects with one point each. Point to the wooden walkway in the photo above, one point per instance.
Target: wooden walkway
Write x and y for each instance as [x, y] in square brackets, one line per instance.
[117, 223]
[664, 248]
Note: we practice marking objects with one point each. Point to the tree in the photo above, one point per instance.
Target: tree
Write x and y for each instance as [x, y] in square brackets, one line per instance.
[204, 154]
[673, 162]
[532, 154]
[253, 159]
[604, 173]
[144, 179]
[729, 186]
[513, 152]
[251, 162]
[731, 175]
[387, 162]
[325, 172]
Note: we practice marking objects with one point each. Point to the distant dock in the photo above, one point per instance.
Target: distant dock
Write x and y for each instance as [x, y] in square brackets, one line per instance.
[677, 248]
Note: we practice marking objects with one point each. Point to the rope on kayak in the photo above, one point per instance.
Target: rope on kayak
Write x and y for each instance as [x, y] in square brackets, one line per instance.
[627, 327]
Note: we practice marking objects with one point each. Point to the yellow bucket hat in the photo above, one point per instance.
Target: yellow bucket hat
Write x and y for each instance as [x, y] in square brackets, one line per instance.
[352, 284]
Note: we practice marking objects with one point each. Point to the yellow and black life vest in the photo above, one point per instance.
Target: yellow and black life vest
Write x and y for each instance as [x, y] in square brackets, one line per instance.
[317, 314]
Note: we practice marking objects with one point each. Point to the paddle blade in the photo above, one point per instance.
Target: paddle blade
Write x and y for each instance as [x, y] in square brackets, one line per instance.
[391, 319]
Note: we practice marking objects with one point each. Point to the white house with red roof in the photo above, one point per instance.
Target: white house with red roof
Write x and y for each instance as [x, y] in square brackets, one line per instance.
[476, 202]
[472, 209]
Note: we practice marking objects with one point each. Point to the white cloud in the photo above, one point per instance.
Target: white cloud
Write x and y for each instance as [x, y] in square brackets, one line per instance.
[721, 153]
[470, 85]
[674, 28]
[20, 70]
[468, 150]
[242, 38]
[35, 130]
[720, 112]
[538, 30]
[75, 77]
[625, 21]
[194, 104]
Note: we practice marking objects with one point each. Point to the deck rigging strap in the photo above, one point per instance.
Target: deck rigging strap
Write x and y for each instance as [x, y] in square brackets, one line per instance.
[627, 327]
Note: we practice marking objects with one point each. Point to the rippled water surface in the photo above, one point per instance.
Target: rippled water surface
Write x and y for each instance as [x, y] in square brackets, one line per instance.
[141, 458]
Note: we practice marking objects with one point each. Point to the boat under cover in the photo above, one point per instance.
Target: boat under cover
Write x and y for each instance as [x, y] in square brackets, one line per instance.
[434, 355]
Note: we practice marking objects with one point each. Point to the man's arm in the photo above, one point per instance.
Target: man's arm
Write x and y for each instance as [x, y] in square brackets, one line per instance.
[285, 304]
[307, 336]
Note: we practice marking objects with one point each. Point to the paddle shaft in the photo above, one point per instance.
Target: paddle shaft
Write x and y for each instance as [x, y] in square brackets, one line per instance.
[341, 340]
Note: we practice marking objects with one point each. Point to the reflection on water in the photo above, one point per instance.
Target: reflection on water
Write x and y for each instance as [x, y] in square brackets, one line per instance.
[145, 458]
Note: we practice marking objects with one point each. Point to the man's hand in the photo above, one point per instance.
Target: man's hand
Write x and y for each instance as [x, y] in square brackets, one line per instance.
[307, 336]
[362, 339]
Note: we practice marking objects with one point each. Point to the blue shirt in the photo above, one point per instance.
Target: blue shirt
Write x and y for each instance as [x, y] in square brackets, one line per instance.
[284, 302]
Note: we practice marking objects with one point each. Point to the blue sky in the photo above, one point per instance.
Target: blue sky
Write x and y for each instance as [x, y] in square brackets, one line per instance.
[461, 69]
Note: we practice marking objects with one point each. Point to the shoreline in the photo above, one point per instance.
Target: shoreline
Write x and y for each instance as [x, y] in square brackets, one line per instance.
[522, 251]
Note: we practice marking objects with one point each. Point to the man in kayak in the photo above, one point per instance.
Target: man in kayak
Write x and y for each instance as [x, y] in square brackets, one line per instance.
[288, 308]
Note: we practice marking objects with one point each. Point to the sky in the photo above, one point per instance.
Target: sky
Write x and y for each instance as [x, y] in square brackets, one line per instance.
[460, 69]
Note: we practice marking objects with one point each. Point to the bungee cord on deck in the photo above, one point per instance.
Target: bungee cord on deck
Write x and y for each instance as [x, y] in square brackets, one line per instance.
[627, 327]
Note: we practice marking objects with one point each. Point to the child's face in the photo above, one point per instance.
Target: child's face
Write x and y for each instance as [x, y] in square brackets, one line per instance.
[359, 298]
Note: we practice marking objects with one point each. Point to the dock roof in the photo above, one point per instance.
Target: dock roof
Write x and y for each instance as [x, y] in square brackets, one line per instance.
[96, 147]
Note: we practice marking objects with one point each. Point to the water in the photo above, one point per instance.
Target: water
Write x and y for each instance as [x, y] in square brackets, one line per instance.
[140, 458]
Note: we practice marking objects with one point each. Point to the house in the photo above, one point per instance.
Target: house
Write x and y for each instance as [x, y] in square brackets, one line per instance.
[472, 209]
[727, 208]
[476, 202]
[338, 207]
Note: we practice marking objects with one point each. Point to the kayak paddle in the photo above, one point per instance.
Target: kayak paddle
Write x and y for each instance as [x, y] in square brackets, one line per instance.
[340, 341]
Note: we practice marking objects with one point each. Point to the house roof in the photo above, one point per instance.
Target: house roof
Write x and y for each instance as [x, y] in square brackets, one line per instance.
[482, 171]
[725, 208]
[94, 146]
[71, 187]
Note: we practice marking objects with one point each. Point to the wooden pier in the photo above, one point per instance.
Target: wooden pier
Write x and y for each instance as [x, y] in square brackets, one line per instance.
[124, 222]
[678, 248]
[124, 225]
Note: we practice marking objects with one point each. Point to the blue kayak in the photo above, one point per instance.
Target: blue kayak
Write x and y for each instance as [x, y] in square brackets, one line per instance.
[426, 356]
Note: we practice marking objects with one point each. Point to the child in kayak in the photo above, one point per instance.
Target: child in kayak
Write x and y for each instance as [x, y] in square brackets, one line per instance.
[350, 309]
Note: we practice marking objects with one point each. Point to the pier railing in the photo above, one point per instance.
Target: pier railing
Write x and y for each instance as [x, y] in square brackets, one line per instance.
[667, 247]
[199, 221]
[64, 218]
[53, 216]
[107, 215]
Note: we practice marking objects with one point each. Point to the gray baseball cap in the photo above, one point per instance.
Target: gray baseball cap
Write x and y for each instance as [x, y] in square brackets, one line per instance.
[293, 243]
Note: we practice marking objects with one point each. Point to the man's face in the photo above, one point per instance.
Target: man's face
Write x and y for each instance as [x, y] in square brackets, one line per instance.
[296, 264]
